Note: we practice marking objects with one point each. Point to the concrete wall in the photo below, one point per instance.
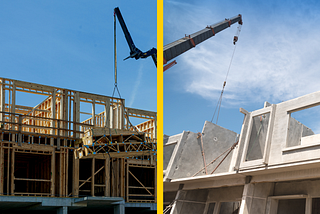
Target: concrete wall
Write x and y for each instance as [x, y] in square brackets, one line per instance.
[308, 187]
[190, 202]
[296, 131]
[171, 156]
[188, 158]
[208, 201]
[169, 143]
[288, 141]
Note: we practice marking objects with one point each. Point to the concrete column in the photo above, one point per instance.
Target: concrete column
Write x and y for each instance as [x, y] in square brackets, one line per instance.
[217, 208]
[246, 201]
[119, 208]
[308, 206]
[62, 210]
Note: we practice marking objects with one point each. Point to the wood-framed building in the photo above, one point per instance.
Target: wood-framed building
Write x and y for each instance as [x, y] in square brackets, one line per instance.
[40, 144]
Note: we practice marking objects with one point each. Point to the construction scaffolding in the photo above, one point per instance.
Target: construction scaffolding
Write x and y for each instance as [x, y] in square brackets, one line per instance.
[46, 150]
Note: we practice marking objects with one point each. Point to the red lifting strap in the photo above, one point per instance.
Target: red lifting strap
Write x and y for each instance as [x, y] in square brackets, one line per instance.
[211, 30]
[164, 61]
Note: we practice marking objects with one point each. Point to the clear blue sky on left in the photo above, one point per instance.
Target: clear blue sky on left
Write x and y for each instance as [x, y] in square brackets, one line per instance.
[69, 44]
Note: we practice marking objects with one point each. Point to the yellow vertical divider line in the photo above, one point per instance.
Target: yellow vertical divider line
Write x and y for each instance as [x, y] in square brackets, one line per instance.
[160, 106]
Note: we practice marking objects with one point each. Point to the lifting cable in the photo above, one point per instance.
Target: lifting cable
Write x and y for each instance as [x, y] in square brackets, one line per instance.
[235, 39]
[116, 82]
[116, 89]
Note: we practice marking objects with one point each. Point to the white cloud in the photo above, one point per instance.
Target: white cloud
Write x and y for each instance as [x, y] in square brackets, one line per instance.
[274, 60]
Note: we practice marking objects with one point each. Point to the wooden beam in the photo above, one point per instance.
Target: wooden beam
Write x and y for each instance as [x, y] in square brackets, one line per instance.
[155, 183]
[107, 177]
[13, 106]
[53, 110]
[1, 167]
[64, 110]
[127, 186]
[75, 184]
[2, 98]
[20, 130]
[76, 113]
[12, 172]
[139, 113]
[107, 113]
[61, 172]
[92, 176]
[122, 114]
[66, 172]
[8, 171]
[33, 86]
[93, 121]
[122, 178]
[53, 156]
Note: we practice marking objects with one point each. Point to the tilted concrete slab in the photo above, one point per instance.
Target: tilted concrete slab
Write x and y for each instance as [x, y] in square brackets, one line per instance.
[187, 156]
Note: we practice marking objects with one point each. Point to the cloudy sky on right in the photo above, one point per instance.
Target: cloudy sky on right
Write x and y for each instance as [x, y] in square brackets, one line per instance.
[276, 59]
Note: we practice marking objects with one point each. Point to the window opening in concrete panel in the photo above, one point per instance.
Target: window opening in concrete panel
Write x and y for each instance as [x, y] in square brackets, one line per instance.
[258, 137]
[229, 207]
[315, 206]
[292, 206]
[211, 208]
[302, 124]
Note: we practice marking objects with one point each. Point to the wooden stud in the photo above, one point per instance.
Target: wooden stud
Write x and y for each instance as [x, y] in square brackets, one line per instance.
[75, 184]
[52, 173]
[122, 180]
[127, 186]
[12, 172]
[93, 113]
[1, 167]
[8, 170]
[53, 110]
[13, 106]
[2, 98]
[66, 171]
[76, 113]
[61, 172]
[107, 177]
[92, 176]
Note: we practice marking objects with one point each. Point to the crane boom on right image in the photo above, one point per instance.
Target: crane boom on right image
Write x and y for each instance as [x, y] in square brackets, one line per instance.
[176, 48]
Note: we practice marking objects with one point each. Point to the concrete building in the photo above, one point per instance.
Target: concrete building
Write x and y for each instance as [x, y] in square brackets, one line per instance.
[65, 151]
[271, 167]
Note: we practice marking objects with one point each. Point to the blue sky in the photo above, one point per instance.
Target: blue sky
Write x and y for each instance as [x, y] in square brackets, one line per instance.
[69, 44]
[276, 59]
